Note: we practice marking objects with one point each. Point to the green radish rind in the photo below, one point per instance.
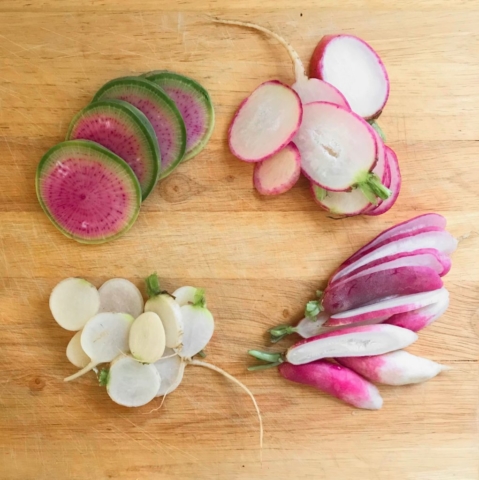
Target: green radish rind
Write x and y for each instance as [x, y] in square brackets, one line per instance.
[161, 98]
[109, 158]
[140, 122]
[165, 79]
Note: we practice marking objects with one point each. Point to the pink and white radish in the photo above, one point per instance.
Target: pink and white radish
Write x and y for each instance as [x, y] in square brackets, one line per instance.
[394, 368]
[119, 295]
[278, 173]
[307, 327]
[147, 338]
[338, 381]
[171, 369]
[355, 69]
[75, 353]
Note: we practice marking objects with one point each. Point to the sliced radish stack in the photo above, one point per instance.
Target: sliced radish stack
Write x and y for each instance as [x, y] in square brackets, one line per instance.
[316, 90]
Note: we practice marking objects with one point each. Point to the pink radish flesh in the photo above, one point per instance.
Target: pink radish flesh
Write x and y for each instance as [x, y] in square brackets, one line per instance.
[416, 320]
[351, 342]
[278, 174]
[337, 147]
[335, 380]
[355, 292]
[355, 69]
[394, 368]
[388, 307]
[315, 90]
[265, 122]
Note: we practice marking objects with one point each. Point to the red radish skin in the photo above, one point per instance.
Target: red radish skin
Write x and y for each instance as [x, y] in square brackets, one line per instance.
[316, 90]
[394, 368]
[355, 69]
[338, 381]
[279, 173]
[265, 122]
[358, 291]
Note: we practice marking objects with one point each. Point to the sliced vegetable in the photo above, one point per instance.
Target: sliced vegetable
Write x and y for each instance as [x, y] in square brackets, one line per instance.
[346, 204]
[187, 294]
[307, 327]
[147, 338]
[119, 295]
[171, 368]
[75, 353]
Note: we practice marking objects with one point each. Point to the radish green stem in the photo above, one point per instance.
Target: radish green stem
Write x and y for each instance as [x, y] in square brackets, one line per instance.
[265, 356]
[103, 377]
[313, 308]
[378, 129]
[153, 286]
[255, 368]
[280, 331]
[199, 298]
[371, 186]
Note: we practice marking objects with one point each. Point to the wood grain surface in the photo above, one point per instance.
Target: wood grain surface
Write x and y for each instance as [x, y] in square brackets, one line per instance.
[260, 259]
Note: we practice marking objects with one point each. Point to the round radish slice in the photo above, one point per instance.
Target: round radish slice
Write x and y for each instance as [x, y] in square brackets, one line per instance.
[125, 131]
[171, 369]
[265, 122]
[316, 90]
[119, 295]
[88, 193]
[194, 104]
[346, 204]
[158, 108]
[279, 173]
[75, 353]
[355, 69]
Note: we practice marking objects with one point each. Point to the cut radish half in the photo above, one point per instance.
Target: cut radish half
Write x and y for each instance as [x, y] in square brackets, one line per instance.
[265, 122]
[355, 69]
[316, 90]
[346, 204]
[279, 173]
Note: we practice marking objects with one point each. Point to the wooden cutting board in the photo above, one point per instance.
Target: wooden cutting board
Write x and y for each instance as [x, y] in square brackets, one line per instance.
[260, 259]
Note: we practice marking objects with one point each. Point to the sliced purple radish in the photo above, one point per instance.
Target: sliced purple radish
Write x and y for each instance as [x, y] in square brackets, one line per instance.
[158, 108]
[265, 122]
[194, 104]
[279, 173]
[125, 131]
[355, 69]
[90, 194]
[316, 90]
[387, 307]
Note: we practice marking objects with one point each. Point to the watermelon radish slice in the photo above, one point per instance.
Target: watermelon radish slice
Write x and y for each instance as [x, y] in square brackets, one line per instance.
[90, 194]
[125, 131]
[158, 108]
[194, 104]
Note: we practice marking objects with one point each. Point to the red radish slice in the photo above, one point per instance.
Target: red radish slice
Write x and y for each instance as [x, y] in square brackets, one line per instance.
[278, 174]
[388, 307]
[355, 69]
[346, 204]
[357, 291]
[265, 122]
[316, 90]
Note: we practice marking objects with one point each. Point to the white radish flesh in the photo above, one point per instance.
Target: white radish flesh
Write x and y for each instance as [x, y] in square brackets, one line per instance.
[103, 338]
[170, 314]
[147, 338]
[315, 90]
[131, 383]
[278, 173]
[171, 368]
[186, 295]
[75, 353]
[73, 302]
[119, 295]
[345, 204]
[199, 326]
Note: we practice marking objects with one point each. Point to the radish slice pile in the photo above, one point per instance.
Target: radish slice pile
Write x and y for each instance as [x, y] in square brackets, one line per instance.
[393, 281]
[351, 170]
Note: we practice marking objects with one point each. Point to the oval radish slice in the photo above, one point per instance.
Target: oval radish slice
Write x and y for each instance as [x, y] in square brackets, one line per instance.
[170, 314]
[279, 173]
[75, 353]
[73, 302]
[87, 192]
[355, 69]
[315, 90]
[199, 327]
[125, 131]
[147, 338]
[265, 122]
[131, 383]
[119, 295]
[171, 369]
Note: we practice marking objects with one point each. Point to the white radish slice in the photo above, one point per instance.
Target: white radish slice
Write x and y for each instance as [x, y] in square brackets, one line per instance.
[188, 295]
[315, 90]
[278, 173]
[119, 295]
[131, 383]
[170, 314]
[265, 122]
[147, 338]
[346, 204]
[73, 302]
[171, 368]
[355, 69]
[103, 338]
[199, 326]
[75, 353]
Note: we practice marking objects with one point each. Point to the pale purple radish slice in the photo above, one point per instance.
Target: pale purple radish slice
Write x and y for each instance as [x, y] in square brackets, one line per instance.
[345, 204]
[357, 291]
[416, 320]
[90, 194]
[388, 307]
[316, 90]
[265, 122]
[279, 173]
[355, 69]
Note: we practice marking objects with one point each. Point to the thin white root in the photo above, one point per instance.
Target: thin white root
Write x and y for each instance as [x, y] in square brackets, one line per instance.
[81, 372]
[299, 71]
[199, 363]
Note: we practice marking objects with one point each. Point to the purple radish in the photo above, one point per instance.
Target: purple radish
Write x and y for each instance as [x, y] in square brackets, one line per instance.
[337, 381]
[394, 368]
[125, 131]
[355, 69]
[416, 320]
[265, 122]
[386, 307]
[158, 108]
[278, 173]
[357, 291]
[194, 104]
[90, 194]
